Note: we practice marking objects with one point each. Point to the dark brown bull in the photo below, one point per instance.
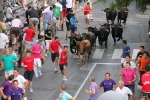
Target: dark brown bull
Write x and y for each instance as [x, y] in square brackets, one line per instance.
[84, 48]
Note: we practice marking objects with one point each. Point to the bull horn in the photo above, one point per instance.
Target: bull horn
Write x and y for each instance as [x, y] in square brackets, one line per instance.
[112, 26]
[75, 40]
[107, 30]
[120, 26]
[125, 11]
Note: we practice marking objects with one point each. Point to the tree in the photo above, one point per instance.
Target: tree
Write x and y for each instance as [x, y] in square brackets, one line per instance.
[117, 4]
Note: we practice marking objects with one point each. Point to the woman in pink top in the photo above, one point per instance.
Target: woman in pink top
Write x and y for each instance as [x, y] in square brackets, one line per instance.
[36, 54]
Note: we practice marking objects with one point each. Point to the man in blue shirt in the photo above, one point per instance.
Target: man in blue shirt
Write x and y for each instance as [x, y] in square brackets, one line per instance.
[74, 23]
[125, 51]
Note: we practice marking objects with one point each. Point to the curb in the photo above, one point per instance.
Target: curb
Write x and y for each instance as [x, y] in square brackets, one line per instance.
[82, 9]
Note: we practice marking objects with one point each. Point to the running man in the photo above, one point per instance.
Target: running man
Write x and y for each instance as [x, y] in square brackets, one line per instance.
[64, 61]
[54, 48]
[87, 10]
[90, 1]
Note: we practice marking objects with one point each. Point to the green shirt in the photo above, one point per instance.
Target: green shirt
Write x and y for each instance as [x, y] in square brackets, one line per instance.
[56, 12]
[8, 62]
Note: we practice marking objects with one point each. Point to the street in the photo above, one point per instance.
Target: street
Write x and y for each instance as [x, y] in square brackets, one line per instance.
[101, 61]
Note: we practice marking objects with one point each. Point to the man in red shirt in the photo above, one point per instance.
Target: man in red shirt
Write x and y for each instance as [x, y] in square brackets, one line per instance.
[54, 48]
[64, 61]
[146, 84]
[30, 33]
[87, 10]
[28, 64]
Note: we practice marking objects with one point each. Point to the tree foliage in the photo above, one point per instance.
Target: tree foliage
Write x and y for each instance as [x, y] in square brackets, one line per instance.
[117, 4]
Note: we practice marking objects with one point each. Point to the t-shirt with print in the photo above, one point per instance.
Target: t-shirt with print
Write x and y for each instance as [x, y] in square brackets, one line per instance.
[107, 84]
[38, 49]
[49, 33]
[127, 48]
[65, 96]
[57, 10]
[15, 94]
[6, 85]
[29, 62]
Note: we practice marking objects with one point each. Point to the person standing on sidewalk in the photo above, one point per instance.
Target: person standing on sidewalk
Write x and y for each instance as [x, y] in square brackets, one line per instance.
[107, 83]
[54, 48]
[129, 76]
[8, 63]
[5, 87]
[64, 95]
[64, 62]
[28, 64]
[93, 90]
[22, 82]
[36, 54]
[125, 51]
[87, 10]
[15, 93]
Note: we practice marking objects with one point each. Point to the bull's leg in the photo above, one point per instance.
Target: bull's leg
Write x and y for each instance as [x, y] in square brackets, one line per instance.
[118, 38]
[114, 39]
[121, 36]
[106, 43]
[84, 58]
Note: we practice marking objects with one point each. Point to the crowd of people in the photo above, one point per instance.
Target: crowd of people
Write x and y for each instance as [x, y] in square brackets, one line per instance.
[36, 50]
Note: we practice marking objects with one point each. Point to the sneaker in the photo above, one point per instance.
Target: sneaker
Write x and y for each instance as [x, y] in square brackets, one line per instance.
[55, 70]
[25, 98]
[31, 90]
[81, 7]
[65, 79]
[45, 54]
[36, 77]
[91, 18]
[15, 5]
[40, 74]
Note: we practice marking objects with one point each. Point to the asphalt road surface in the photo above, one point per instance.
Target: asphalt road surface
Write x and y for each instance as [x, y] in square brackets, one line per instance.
[102, 60]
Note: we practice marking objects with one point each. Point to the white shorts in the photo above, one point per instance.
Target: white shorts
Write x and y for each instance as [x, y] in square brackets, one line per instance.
[37, 62]
[48, 43]
[8, 73]
[87, 16]
[123, 60]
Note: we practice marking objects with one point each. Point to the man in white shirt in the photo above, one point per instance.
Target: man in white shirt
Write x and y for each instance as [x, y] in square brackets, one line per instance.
[124, 91]
[22, 82]
[15, 29]
[3, 41]
[69, 5]
[128, 59]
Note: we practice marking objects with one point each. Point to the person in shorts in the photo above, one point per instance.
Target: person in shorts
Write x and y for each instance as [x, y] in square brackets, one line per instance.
[78, 4]
[28, 64]
[48, 38]
[54, 48]
[87, 10]
[125, 52]
[64, 61]
[30, 33]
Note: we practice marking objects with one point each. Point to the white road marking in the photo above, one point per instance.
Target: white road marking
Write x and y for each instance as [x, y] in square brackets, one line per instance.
[117, 54]
[98, 53]
[91, 70]
[135, 52]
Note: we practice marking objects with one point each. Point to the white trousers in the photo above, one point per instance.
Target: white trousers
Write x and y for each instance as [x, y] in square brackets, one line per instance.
[38, 67]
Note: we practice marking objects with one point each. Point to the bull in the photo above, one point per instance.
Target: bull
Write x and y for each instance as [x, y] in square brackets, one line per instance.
[117, 31]
[84, 48]
[122, 15]
[73, 46]
[110, 15]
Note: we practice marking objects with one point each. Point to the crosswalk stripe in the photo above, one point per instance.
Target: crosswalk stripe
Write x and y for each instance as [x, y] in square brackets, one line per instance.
[98, 53]
[135, 52]
[117, 54]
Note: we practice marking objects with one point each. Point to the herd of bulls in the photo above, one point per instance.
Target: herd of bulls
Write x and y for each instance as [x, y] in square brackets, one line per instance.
[82, 44]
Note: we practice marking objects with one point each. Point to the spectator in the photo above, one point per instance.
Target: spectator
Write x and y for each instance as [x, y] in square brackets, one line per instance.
[129, 76]
[107, 83]
[22, 82]
[34, 17]
[15, 29]
[15, 93]
[69, 5]
[28, 68]
[9, 14]
[124, 91]
[36, 54]
[128, 59]
[30, 33]
[125, 51]
[48, 38]
[64, 95]
[27, 14]
[146, 84]
[93, 90]
[48, 15]
[8, 62]
[3, 41]
[5, 87]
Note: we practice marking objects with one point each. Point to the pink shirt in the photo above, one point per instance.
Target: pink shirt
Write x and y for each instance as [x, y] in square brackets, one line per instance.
[38, 49]
[16, 23]
[128, 75]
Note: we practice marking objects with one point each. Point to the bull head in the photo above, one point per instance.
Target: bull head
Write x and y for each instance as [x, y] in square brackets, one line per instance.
[106, 30]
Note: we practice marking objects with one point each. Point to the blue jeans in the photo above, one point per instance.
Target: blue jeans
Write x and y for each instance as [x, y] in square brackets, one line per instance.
[46, 24]
[12, 2]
